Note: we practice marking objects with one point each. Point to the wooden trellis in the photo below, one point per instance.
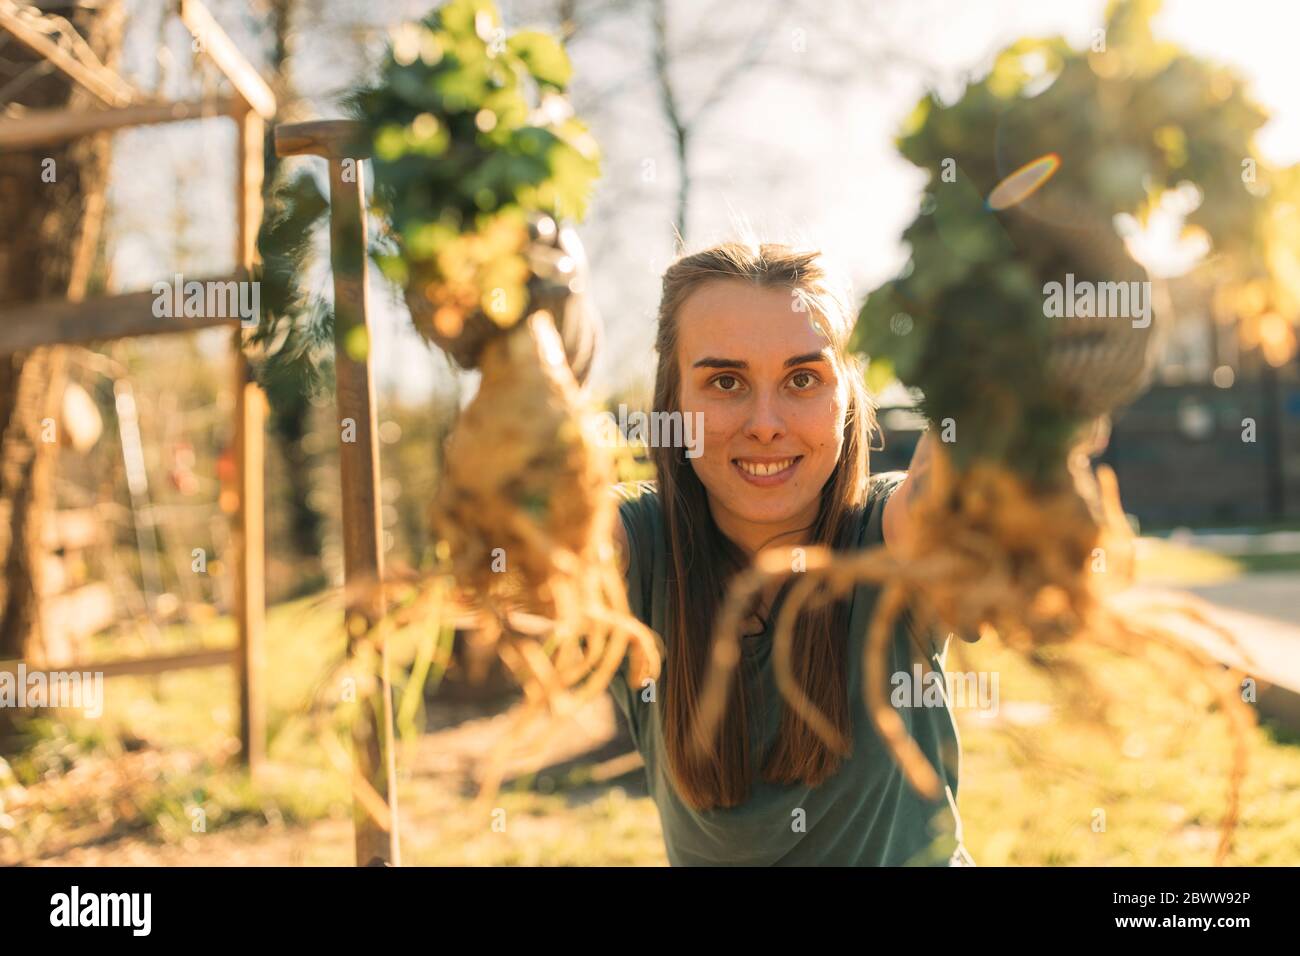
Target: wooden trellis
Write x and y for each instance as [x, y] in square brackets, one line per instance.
[63, 322]
[131, 314]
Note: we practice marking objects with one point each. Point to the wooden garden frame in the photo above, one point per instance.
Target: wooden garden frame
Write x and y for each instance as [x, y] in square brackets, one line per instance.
[67, 322]
[62, 321]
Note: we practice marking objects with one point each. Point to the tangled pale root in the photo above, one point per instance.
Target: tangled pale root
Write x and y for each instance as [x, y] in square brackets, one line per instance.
[1037, 566]
[527, 509]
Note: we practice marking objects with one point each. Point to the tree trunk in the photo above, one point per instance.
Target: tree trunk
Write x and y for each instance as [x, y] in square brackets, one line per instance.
[53, 201]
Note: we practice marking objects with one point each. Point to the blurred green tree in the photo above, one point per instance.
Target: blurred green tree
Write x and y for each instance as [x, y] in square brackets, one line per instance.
[292, 366]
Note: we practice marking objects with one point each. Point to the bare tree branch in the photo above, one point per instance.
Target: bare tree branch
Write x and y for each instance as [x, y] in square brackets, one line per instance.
[672, 109]
[749, 58]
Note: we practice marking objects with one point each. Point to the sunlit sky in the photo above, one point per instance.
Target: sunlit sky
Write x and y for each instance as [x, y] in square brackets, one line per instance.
[791, 158]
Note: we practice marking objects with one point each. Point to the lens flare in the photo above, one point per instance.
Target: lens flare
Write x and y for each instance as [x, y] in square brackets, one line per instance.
[1024, 182]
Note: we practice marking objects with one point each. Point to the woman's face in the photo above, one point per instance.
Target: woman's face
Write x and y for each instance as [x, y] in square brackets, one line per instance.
[765, 379]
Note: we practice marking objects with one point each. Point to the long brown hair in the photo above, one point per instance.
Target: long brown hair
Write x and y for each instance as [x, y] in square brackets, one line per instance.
[707, 559]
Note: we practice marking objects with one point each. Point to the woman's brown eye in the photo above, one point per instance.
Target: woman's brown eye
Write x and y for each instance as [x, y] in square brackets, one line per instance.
[809, 378]
[724, 378]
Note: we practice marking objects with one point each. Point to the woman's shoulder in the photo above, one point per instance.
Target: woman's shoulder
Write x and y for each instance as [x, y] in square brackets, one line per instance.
[882, 484]
[641, 521]
[629, 491]
[879, 489]
[638, 503]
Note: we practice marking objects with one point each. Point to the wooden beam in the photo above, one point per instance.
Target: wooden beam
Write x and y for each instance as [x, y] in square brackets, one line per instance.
[250, 454]
[250, 167]
[214, 41]
[333, 139]
[109, 88]
[43, 127]
[61, 322]
[156, 664]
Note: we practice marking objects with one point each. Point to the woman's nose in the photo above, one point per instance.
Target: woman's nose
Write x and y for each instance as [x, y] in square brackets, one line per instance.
[765, 422]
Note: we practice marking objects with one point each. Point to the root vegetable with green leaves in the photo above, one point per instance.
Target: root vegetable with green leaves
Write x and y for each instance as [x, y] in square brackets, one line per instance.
[476, 159]
[1012, 532]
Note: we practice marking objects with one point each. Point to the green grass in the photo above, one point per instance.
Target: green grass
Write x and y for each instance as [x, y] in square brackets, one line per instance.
[1261, 527]
[192, 713]
[1159, 786]
[1267, 563]
[1178, 565]
[1162, 794]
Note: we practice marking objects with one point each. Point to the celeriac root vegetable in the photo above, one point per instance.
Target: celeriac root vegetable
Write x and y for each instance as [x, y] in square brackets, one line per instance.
[525, 505]
[996, 556]
[1017, 536]
[476, 151]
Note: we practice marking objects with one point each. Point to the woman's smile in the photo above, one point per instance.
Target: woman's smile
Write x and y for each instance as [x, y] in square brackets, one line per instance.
[767, 471]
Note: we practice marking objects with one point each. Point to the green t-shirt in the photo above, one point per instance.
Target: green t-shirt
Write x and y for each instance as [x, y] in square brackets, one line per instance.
[866, 814]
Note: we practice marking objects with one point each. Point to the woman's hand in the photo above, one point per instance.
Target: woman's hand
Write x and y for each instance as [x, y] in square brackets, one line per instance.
[899, 520]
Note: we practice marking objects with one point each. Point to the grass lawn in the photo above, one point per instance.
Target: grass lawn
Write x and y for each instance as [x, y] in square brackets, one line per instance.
[1062, 792]
[1038, 786]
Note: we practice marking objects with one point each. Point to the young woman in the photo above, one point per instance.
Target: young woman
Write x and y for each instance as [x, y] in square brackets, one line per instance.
[755, 339]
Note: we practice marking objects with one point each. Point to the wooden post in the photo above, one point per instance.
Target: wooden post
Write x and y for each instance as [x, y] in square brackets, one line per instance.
[250, 561]
[373, 753]
[250, 432]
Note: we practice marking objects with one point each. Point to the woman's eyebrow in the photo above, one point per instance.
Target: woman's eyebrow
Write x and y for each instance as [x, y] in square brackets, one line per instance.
[805, 359]
[808, 357]
[710, 362]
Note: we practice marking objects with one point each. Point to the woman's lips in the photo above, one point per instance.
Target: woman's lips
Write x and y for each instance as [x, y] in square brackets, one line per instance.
[766, 472]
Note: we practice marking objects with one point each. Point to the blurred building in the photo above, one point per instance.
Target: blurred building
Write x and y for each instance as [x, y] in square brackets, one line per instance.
[1216, 439]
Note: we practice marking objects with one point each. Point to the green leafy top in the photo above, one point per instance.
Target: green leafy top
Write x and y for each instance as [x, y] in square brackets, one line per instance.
[1120, 123]
[471, 133]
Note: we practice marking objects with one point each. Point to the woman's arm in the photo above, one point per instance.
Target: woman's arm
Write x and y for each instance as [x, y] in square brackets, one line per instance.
[899, 520]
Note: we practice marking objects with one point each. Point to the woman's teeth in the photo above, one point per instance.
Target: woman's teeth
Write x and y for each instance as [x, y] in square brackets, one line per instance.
[760, 468]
